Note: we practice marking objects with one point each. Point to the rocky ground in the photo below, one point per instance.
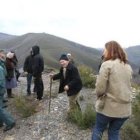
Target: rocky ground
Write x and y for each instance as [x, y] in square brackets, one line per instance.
[45, 125]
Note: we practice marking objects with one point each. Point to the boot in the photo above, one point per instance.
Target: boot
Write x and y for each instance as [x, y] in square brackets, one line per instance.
[9, 93]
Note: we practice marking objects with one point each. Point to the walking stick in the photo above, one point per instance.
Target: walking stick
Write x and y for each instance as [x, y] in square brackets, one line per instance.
[50, 94]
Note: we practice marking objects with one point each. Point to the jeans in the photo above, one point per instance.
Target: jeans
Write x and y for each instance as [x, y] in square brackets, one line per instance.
[113, 124]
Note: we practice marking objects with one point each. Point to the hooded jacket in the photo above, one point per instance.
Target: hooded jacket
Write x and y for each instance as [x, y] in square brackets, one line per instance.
[38, 62]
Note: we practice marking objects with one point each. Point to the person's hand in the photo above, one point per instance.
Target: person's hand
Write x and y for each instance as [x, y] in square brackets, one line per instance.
[66, 88]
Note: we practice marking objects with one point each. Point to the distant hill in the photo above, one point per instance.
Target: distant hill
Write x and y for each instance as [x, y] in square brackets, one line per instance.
[51, 48]
[4, 36]
[133, 53]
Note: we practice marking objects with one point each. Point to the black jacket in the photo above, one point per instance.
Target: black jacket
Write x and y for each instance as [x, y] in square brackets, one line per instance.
[38, 61]
[28, 64]
[72, 79]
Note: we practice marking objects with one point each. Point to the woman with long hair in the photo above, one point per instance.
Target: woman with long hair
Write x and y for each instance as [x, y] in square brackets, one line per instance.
[113, 89]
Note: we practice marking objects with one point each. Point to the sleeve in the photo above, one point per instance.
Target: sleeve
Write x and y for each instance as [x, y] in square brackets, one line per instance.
[2, 79]
[102, 79]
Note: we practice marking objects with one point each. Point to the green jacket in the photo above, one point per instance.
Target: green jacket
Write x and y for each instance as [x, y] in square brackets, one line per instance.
[2, 77]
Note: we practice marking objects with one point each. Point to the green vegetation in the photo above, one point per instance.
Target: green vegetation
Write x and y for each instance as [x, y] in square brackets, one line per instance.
[131, 129]
[87, 76]
[83, 120]
[24, 106]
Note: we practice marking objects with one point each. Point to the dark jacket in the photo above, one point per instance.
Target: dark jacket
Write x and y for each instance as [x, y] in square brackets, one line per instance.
[28, 64]
[38, 62]
[72, 79]
[3, 74]
[10, 67]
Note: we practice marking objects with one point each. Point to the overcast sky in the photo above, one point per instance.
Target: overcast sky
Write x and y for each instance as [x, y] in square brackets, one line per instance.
[88, 22]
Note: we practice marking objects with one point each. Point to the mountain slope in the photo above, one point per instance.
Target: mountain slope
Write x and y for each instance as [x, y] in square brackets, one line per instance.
[51, 48]
[134, 54]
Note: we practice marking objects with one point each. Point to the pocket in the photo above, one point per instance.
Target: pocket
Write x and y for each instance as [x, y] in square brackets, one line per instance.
[100, 103]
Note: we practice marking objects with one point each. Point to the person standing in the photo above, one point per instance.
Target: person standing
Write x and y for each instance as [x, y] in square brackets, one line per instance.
[5, 117]
[113, 89]
[70, 81]
[15, 61]
[37, 69]
[11, 81]
[3, 75]
[29, 72]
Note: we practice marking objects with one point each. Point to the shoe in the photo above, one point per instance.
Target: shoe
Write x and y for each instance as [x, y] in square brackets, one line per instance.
[5, 100]
[9, 127]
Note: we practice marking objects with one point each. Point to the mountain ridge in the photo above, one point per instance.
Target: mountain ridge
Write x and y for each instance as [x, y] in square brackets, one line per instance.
[52, 47]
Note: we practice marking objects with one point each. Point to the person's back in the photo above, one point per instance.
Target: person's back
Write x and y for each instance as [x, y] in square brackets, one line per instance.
[38, 61]
[37, 68]
[113, 90]
[118, 90]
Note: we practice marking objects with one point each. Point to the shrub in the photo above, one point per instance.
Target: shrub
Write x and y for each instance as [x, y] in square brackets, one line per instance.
[87, 76]
[136, 111]
[131, 129]
[83, 120]
[25, 107]
[130, 132]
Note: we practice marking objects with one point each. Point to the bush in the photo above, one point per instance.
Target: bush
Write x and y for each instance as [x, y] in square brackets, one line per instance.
[131, 129]
[25, 107]
[136, 111]
[130, 132]
[87, 76]
[83, 120]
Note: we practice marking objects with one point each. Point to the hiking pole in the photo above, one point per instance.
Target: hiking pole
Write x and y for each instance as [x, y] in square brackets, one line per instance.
[50, 94]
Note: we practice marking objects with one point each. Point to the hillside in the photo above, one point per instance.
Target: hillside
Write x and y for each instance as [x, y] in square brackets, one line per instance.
[134, 54]
[51, 49]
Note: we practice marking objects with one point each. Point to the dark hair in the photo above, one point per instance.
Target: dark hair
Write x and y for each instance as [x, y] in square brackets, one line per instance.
[114, 51]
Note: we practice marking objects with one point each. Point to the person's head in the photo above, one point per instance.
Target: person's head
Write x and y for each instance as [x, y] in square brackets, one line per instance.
[2, 55]
[64, 60]
[35, 50]
[113, 50]
[10, 55]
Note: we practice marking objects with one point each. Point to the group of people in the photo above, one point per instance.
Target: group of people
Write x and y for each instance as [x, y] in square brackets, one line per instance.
[113, 86]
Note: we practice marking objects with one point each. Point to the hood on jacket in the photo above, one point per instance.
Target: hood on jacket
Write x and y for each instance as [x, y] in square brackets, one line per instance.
[35, 50]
